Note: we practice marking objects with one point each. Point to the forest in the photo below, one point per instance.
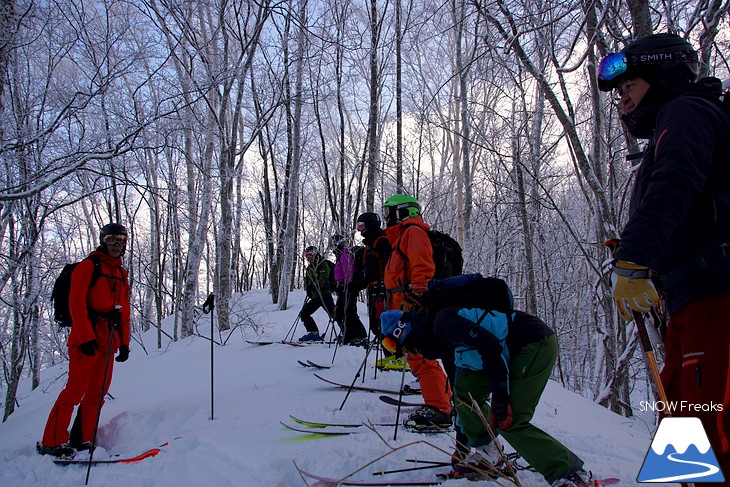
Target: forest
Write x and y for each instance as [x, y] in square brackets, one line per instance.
[228, 135]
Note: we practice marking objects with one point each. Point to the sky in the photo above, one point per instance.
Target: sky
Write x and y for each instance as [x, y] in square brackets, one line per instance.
[164, 396]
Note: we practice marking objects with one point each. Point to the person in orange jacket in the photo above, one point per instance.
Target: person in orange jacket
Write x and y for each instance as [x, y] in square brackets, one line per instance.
[407, 273]
[100, 312]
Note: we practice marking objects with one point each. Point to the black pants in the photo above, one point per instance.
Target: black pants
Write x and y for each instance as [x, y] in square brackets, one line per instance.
[325, 302]
[346, 315]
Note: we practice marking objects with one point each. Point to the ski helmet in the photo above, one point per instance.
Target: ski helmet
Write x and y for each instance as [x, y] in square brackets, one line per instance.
[663, 60]
[400, 207]
[310, 252]
[112, 229]
[337, 241]
[367, 221]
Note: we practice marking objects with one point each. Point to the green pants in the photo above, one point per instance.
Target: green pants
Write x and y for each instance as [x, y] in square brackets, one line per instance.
[529, 373]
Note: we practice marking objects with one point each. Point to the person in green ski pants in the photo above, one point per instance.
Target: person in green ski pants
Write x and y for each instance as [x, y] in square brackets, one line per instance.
[508, 355]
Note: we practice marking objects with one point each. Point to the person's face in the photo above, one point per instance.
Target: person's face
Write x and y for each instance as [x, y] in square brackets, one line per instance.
[631, 92]
[309, 256]
[115, 244]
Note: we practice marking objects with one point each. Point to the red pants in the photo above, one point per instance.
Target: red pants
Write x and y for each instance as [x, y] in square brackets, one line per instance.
[697, 369]
[83, 386]
[432, 379]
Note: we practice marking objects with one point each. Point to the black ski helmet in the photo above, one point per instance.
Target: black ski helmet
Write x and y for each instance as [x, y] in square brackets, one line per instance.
[663, 60]
[366, 221]
[111, 229]
[338, 241]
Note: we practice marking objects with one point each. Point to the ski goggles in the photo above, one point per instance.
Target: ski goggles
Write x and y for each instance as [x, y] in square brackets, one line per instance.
[309, 255]
[611, 67]
[614, 66]
[118, 240]
[390, 344]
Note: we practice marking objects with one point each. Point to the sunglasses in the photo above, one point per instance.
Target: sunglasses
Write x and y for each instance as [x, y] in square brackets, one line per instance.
[118, 240]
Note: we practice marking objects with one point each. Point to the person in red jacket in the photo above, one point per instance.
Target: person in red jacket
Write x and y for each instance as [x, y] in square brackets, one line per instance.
[407, 273]
[100, 313]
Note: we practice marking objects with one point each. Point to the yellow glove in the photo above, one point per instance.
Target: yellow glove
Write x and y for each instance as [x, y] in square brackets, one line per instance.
[411, 303]
[632, 289]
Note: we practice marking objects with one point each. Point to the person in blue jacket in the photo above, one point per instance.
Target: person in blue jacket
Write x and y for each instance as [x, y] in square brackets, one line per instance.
[509, 355]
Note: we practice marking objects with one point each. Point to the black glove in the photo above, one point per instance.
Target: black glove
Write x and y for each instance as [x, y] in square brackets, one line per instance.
[123, 353]
[89, 348]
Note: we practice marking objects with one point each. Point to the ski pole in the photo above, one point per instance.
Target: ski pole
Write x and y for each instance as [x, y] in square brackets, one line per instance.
[113, 326]
[208, 306]
[400, 395]
[357, 374]
[293, 328]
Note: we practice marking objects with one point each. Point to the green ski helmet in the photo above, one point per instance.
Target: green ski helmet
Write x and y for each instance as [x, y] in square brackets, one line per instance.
[400, 207]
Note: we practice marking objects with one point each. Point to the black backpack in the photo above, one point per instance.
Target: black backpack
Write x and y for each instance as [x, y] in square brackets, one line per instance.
[469, 291]
[62, 291]
[447, 254]
[359, 267]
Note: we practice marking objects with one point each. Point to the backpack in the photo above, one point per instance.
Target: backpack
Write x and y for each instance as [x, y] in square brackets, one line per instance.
[447, 254]
[469, 291]
[331, 283]
[359, 267]
[62, 291]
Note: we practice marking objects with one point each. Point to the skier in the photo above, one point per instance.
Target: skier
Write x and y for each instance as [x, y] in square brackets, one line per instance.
[318, 285]
[679, 220]
[376, 254]
[509, 355]
[100, 315]
[407, 273]
[346, 307]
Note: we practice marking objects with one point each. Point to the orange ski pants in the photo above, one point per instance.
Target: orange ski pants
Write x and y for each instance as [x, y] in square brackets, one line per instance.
[85, 384]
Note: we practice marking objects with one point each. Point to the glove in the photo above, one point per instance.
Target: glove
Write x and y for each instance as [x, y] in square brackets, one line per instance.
[89, 348]
[123, 354]
[632, 289]
[411, 303]
[502, 417]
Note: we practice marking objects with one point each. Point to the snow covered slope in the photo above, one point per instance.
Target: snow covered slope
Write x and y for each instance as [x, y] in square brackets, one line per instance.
[165, 396]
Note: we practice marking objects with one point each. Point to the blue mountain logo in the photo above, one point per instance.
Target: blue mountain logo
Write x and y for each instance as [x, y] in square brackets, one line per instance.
[680, 452]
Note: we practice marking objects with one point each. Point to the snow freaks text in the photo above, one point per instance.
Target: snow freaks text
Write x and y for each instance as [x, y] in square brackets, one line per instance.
[678, 406]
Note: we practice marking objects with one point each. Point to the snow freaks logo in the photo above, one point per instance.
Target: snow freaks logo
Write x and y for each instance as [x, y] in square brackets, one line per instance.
[680, 452]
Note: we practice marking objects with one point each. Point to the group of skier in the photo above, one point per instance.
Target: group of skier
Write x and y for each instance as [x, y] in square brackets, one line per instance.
[673, 259]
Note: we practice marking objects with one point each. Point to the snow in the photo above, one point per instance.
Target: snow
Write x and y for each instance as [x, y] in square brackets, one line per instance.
[165, 396]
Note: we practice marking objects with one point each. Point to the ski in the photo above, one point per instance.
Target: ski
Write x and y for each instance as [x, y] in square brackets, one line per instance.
[304, 364]
[320, 433]
[606, 481]
[363, 388]
[331, 482]
[267, 342]
[71, 461]
[312, 364]
[395, 402]
[311, 424]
